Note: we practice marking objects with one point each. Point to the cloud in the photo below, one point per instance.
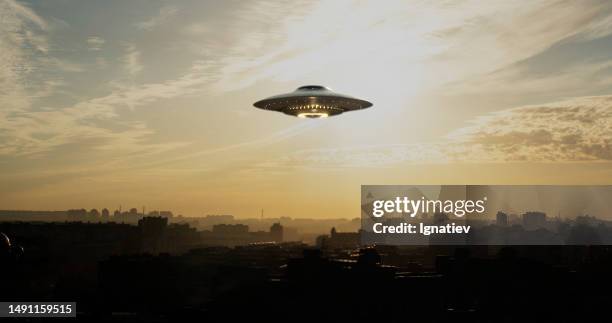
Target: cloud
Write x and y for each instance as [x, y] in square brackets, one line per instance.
[13, 7]
[31, 127]
[575, 130]
[163, 15]
[196, 29]
[398, 42]
[572, 80]
[132, 60]
[22, 44]
[95, 43]
[29, 132]
[289, 41]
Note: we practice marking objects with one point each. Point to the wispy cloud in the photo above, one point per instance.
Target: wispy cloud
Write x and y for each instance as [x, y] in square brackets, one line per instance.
[95, 43]
[575, 130]
[29, 132]
[21, 46]
[27, 129]
[396, 50]
[572, 80]
[12, 7]
[132, 60]
[165, 13]
[400, 41]
[196, 29]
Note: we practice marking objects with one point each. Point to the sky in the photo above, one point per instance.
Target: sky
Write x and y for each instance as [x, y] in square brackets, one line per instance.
[149, 103]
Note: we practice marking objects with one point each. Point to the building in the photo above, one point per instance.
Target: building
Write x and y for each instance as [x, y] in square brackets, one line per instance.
[239, 234]
[276, 232]
[213, 219]
[230, 228]
[534, 220]
[339, 240]
[153, 233]
[105, 214]
[501, 219]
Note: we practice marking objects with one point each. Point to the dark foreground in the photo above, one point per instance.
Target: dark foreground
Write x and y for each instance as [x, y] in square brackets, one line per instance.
[294, 283]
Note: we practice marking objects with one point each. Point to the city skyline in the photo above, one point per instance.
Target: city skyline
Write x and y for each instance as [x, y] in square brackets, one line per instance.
[155, 107]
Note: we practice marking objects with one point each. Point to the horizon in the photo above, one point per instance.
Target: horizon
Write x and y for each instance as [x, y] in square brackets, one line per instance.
[191, 216]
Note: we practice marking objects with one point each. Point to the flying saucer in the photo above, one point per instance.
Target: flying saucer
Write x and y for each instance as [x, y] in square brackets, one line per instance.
[312, 101]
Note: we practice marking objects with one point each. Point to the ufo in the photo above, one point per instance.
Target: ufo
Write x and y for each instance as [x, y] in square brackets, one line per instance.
[312, 101]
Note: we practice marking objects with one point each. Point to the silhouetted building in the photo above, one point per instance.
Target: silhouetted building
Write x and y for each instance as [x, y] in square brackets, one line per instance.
[99, 266]
[213, 219]
[230, 228]
[77, 215]
[501, 219]
[105, 214]
[339, 240]
[166, 214]
[534, 220]
[131, 217]
[24, 215]
[276, 232]
[153, 231]
[239, 234]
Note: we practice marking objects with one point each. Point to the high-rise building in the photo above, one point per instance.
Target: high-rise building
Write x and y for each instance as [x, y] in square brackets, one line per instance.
[534, 220]
[501, 219]
[276, 232]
